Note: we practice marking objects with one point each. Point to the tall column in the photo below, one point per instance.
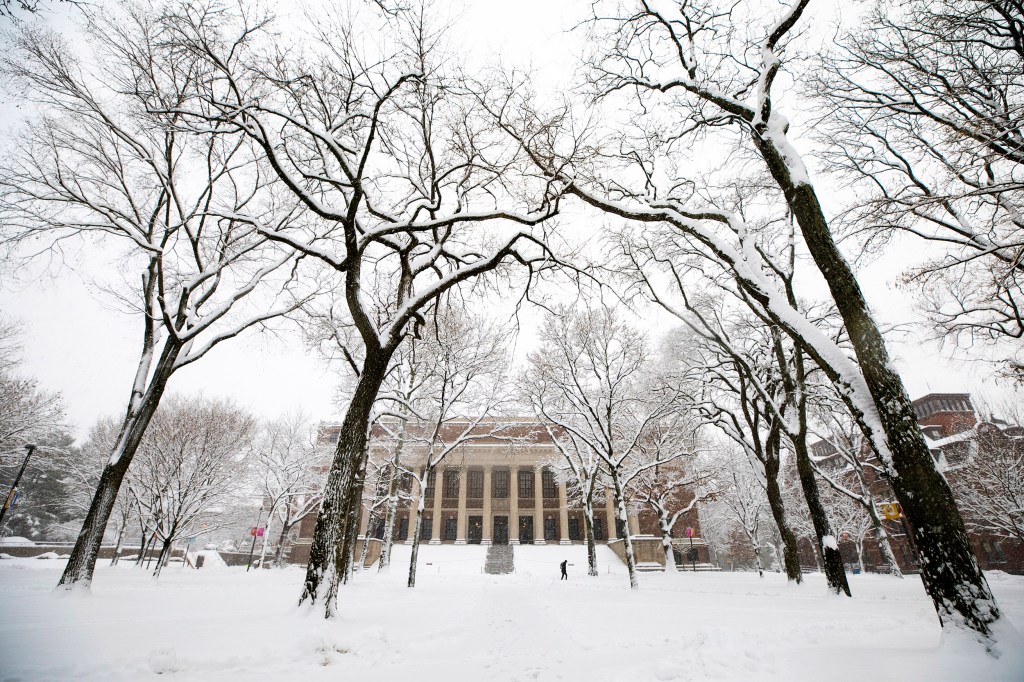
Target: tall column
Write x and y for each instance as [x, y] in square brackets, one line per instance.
[364, 522]
[461, 524]
[435, 530]
[634, 524]
[488, 530]
[610, 511]
[513, 505]
[538, 497]
[563, 515]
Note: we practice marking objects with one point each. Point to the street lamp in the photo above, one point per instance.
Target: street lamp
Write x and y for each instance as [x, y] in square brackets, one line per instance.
[13, 494]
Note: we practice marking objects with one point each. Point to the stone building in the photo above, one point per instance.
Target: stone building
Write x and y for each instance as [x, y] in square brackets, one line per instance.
[502, 486]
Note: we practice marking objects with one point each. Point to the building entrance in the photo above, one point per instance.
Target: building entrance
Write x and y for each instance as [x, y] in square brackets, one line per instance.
[526, 530]
[500, 530]
[476, 529]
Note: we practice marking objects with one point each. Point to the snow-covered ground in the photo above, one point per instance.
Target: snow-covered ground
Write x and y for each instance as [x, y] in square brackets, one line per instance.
[222, 623]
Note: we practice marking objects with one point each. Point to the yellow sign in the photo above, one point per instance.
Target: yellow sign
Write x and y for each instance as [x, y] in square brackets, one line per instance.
[890, 510]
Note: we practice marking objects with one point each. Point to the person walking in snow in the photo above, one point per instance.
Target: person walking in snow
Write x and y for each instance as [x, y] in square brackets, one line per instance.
[565, 576]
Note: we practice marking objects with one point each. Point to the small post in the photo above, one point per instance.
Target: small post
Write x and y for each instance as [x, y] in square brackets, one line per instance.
[12, 495]
[693, 555]
[255, 530]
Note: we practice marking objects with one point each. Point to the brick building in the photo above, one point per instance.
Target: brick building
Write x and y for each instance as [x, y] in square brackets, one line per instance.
[959, 439]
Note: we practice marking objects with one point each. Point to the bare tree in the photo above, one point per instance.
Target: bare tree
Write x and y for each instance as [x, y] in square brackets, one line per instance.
[743, 496]
[683, 477]
[923, 111]
[288, 467]
[844, 462]
[28, 414]
[186, 466]
[591, 384]
[414, 190]
[678, 74]
[463, 362]
[989, 483]
[101, 164]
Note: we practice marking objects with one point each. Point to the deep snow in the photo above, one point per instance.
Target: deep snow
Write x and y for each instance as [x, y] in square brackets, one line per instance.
[459, 624]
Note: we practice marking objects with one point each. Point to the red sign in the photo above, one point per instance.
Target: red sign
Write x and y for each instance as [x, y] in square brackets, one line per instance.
[256, 532]
[689, 532]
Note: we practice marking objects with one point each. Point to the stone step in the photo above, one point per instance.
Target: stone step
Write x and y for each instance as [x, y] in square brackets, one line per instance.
[500, 560]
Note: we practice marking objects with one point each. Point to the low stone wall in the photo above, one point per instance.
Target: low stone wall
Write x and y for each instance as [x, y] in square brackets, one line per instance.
[299, 553]
[63, 550]
[646, 550]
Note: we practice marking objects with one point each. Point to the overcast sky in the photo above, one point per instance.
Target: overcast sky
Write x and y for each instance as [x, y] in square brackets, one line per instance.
[86, 348]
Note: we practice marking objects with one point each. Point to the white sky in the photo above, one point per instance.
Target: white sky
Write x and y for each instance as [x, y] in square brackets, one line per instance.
[87, 350]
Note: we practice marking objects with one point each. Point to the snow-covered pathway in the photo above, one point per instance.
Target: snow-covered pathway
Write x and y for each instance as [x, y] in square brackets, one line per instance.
[459, 624]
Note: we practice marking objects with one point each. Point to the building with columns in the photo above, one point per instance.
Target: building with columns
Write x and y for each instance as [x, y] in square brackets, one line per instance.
[501, 486]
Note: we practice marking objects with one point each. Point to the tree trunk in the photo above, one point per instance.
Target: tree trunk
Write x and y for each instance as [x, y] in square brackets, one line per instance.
[389, 518]
[796, 387]
[354, 509]
[144, 541]
[82, 562]
[117, 545]
[332, 540]
[588, 525]
[266, 537]
[627, 539]
[370, 522]
[420, 503]
[791, 557]
[286, 526]
[163, 557]
[832, 560]
[882, 538]
[949, 569]
[757, 555]
[666, 541]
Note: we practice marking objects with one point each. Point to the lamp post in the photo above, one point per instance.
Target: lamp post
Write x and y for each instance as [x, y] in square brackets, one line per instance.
[12, 495]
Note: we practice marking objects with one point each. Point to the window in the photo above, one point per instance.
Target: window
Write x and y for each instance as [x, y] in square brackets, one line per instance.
[450, 483]
[548, 484]
[574, 529]
[402, 528]
[450, 530]
[550, 528]
[499, 484]
[525, 483]
[526, 530]
[475, 483]
[431, 479]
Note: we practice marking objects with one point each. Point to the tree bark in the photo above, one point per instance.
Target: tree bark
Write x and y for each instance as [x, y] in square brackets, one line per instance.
[882, 539]
[832, 560]
[416, 533]
[392, 514]
[332, 541]
[771, 470]
[286, 526]
[622, 518]
[82, 562]
[588, 524]
[164, 557]
[666, 540]
[949, 569]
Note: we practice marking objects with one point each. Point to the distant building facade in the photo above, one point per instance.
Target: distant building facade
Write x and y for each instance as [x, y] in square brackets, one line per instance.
[959, 439]
[503, 487]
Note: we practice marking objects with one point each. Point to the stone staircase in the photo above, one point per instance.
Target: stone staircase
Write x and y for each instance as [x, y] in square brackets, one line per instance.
[500, 560]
